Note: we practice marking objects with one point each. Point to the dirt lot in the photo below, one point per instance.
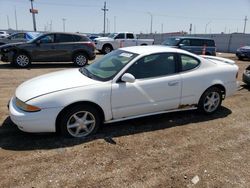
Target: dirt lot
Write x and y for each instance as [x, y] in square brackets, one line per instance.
[167, 150]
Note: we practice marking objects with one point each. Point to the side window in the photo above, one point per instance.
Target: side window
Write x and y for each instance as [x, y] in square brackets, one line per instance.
[80, 38]
[196, 42]
[18, 36]
[209, 43]
[153, 66]
[185, 42]
[130, 36]
[120, 36]
[188, 62]
[64, 38]
[47, 39]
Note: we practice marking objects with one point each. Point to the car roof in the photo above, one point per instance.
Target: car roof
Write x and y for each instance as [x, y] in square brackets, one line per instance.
[151, 49]
[66, 33]
[201, 38]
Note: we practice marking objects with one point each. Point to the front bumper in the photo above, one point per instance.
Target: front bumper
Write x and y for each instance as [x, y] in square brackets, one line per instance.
[246, 77]
[42, 121]
[7, 56]
[243, 54]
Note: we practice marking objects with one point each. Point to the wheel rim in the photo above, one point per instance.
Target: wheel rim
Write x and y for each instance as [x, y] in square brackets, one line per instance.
[22, 60]
[107, 49]
[81, 60]
[212, 101]
[81, 124]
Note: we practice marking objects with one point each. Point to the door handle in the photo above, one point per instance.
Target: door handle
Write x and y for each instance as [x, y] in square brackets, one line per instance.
[173, 83]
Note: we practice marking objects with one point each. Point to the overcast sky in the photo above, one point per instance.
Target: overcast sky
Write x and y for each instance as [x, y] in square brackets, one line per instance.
[214, 16]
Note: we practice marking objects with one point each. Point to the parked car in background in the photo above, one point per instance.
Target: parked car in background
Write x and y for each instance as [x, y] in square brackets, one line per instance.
[246, 76]
[50, 47]
[194, 45]
[93, 37]
[119, 40]
[3, 34]
[19, 37]
[127, 83]
[243, 52]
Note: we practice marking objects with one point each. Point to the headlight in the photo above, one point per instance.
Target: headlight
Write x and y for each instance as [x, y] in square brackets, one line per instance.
[26, 107]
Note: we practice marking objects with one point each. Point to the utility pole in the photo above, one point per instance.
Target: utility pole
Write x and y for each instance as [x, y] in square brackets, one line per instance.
[33, 11]
[190, 29]
[162, 28]
[151, 22]
[8, 21]
[16, 19]
[64, 19]
[114, 24]
[245, 23]
[50, 26]
[104, 9]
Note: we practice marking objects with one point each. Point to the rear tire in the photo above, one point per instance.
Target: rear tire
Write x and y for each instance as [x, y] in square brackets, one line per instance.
[210, 100]
[80, 59]
[80, 121]
[21, 60]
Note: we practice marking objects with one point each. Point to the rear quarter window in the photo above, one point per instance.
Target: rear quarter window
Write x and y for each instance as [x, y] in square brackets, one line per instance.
[188, 62]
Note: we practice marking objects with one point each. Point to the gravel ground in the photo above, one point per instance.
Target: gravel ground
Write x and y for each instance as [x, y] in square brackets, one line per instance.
[184, 149]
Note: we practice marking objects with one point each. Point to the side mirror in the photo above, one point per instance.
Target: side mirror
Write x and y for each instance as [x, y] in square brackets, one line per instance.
[38, 42]
[127, 77]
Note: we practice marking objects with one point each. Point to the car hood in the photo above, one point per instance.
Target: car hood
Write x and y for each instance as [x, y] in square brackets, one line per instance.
[245, 48]
[52, 82]
[11, 45]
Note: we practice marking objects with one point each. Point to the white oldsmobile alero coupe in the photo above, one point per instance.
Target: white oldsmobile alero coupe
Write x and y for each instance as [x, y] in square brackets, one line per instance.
[124, 84]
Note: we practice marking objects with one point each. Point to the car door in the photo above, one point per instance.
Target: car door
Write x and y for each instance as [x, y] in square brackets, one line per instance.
[63, 47]
[44, 48]
[192, 87]
[157, 87]
[130, 40]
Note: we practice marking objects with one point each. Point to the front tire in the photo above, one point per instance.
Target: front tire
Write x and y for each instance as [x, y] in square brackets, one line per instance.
[80, 59]
[210, 100]
[21, 60]
[80, 121]
[107, 49]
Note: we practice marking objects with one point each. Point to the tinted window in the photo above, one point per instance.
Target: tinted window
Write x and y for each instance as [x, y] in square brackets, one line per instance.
[47, 39]
[64, 38]
[153, 66]
[18, 36]
[209, 43]
[120, 36]
[80, 38]
[185, 42]
[196, 42]
[130, 36]
[171, 42]
[188, 62]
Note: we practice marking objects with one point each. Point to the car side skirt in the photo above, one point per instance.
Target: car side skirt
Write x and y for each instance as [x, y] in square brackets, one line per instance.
[149, 114]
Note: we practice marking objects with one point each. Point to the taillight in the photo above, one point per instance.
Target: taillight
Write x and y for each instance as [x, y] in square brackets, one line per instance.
[90, 44]
[237, 75]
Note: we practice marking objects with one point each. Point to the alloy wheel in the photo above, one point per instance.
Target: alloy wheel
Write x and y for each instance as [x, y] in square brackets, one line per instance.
[81, 124]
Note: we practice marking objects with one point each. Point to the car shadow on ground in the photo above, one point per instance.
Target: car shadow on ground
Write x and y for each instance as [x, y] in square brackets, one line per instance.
[13, 139]
[41, 65]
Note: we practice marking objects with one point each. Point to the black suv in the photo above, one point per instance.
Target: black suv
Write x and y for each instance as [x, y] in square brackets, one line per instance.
[196, 45]
[50, 47]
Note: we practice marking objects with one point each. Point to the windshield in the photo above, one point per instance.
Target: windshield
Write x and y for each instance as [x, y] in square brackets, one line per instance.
[171, 42]
[112, 35]
[108, 66]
